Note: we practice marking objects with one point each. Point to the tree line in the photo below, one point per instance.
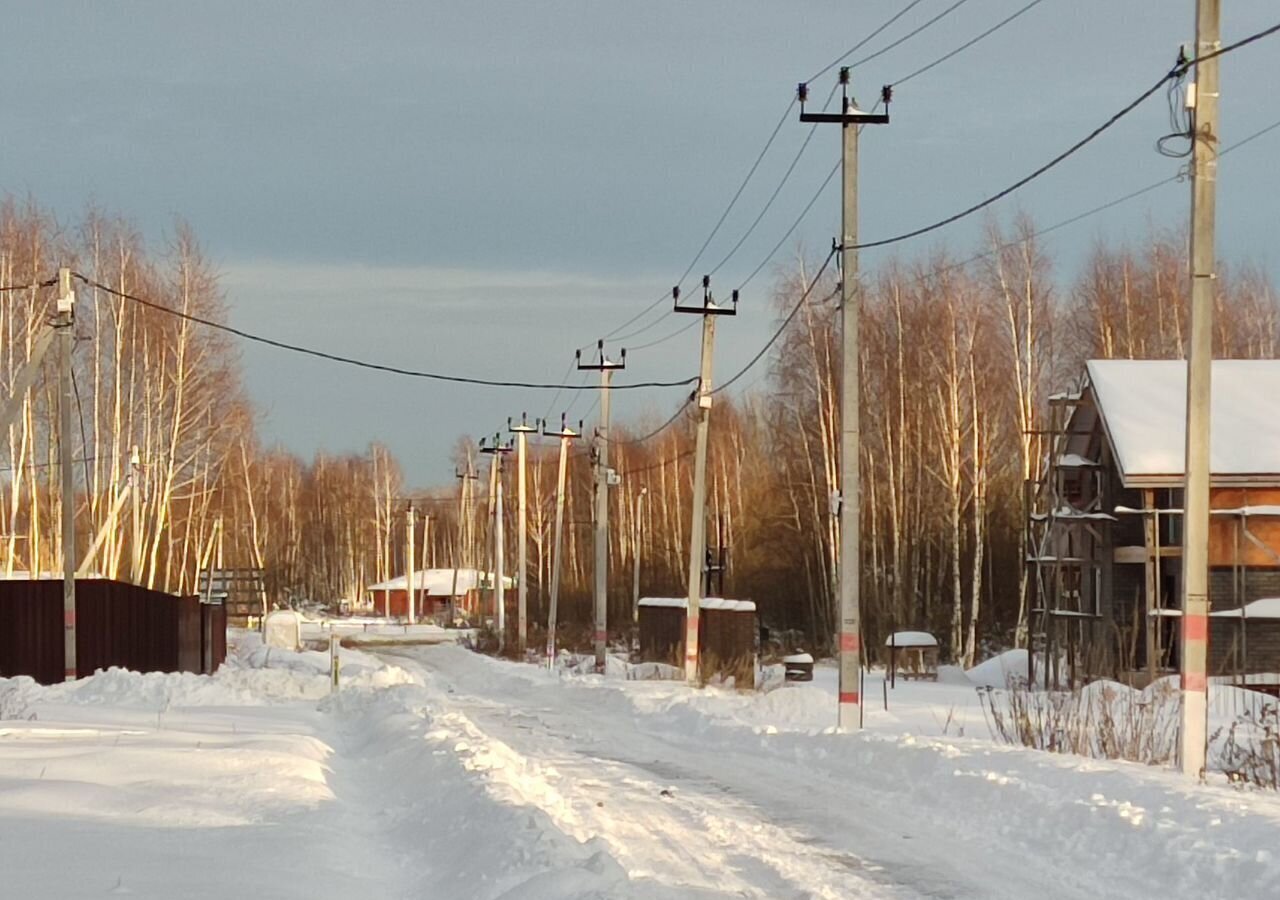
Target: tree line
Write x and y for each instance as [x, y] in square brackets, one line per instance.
[959, 357]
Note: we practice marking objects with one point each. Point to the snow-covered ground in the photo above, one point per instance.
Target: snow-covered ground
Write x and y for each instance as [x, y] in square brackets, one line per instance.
[436, 772]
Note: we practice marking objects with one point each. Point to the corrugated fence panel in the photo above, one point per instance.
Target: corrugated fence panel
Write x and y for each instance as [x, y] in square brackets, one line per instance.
[117, 624]
[31, 630]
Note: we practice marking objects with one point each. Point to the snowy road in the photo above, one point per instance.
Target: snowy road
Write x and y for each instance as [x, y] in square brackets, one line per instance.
[711, 808]
[438, 773]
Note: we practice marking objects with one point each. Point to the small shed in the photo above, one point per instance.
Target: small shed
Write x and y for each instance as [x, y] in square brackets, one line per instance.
[727, 634]
[915, 653]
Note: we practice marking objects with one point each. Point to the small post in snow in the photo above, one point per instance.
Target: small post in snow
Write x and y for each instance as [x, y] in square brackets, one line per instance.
[334, 664]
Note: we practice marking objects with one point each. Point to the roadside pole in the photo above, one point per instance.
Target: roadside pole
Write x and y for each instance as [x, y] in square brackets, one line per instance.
[606, 367]
[1195, 543]
[565, 434]
[850, 119]
[709, 310]
[522, 432]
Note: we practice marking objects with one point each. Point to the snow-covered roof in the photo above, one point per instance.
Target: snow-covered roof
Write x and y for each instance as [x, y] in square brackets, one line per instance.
[1266, 608]
[911, 639]
[439, 582]
[705, 603]
[1143, 408]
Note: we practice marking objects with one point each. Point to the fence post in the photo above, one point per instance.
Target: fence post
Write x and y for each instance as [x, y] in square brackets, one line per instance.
[334, 644]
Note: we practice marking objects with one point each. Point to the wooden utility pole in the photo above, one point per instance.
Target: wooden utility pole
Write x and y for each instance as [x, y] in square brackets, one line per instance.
[497, 451]
[66, 338]
[522, 432]
[410, 565]
[606, 367]
[565, 434]
[709, 310]
[851, 119]
[1195, 540]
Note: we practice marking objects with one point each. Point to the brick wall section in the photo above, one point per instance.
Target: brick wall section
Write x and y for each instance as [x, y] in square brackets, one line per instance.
[1226, 649]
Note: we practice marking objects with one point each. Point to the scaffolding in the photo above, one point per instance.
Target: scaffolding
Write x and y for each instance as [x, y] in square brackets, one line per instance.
[1069, 547]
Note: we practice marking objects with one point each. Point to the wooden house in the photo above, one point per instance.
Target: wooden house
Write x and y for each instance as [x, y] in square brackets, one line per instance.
[446, 595]
[1105, 521]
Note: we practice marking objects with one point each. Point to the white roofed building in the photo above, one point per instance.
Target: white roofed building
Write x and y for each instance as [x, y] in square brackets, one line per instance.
[1105, 519]
[438, 593]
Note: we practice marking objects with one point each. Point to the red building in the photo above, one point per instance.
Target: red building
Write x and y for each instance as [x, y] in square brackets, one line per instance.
[440, 594]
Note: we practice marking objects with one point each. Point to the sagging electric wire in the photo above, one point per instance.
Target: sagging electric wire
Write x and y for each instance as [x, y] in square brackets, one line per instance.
[365, 364]
[967, 44]
[908, 36]
[783, 327]
[1267, 129]
[1176, 72]
[654, 432]
[614, 335]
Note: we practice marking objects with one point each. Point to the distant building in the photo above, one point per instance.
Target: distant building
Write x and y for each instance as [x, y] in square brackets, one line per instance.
[443, 594]
[1105, 521]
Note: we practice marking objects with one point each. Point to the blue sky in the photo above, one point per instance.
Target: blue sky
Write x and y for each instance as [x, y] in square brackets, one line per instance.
[480, 187]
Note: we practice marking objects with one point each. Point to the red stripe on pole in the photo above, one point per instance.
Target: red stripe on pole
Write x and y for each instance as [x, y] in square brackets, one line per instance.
[602, 635]
[1195, 628]
[1194, 681]
[70, 673]
[850, 642]
[69, 618]
[850, 697]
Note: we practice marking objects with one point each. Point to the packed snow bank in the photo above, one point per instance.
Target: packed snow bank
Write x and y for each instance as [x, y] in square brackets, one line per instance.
[253, 675]
[1001, 670]
[260, 791]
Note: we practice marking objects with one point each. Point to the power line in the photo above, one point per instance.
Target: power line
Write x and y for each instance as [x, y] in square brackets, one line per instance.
[794, 225]
[6, 288]
[1176, 72]
[656, 431]
[365, 364]
[751, 172]
[714, 231]
[909, 35]
[783, 327]
[967, 44]
[662, 340]
[862, 43]
[661, 464]
[992, 252]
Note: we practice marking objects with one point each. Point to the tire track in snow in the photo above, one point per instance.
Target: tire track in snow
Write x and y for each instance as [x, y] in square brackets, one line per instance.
[685, 831]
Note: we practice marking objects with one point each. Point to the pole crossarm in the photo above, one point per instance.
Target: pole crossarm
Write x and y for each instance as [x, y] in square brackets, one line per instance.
[603, 363]
[709, 305]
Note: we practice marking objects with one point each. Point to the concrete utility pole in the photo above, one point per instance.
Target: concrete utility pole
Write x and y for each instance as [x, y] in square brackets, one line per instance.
[497, 451]
[635, 576]
[850, 119]
[465, 529]
[522, 432]
[410, 565]
[135, 515]
[1195, 541]
[709, 310]
[565, 434]
[606, 367]
[67, 337]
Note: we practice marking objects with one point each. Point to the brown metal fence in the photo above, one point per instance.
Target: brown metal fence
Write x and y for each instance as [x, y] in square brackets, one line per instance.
[727, 639]
[117, 624]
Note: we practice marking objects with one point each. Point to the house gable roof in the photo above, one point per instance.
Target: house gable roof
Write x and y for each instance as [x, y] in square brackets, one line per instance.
[1142, 404]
